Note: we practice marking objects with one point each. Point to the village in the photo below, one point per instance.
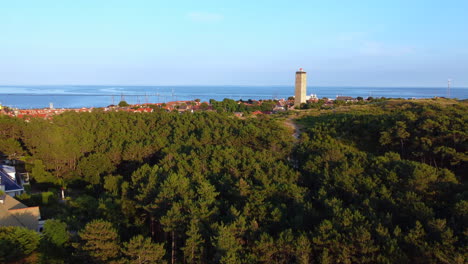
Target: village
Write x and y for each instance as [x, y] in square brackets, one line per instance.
[241, 107]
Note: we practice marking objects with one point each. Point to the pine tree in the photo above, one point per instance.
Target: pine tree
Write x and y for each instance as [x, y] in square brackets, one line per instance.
[303, 249]
[227, 245]
[16, 243]
[55, 232]
[54, 241]
[141, 250]
[193, 249]
[100, 241]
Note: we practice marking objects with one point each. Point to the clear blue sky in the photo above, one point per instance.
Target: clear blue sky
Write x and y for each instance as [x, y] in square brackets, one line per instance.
[356, 43]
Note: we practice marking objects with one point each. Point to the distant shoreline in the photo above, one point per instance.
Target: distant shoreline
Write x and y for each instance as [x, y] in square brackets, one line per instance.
[36, 97]
[224, 85]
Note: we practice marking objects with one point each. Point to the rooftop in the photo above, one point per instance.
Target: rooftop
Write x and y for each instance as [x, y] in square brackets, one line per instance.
[15, 213]
[8, 182]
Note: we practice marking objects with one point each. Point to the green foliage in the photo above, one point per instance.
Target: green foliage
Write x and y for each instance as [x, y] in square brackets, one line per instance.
[47, 197]
[281, 250]
[55, 232]
[54, 242]
[227, 244]
[40, 174]
[92, 167]
[11, 147]
[99, 241]
[140, 250]
[17, 243]
[428, 133]
[113, 183]
[193, 249]
[229, 105]
[303, 249]
[10, 137]
[376, 183]
[368, 198]
[123, 104]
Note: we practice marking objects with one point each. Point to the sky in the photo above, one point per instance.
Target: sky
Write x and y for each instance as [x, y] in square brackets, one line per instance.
[150, 42]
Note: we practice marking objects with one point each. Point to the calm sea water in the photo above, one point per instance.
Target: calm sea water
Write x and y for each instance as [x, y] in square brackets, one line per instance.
[99, 96]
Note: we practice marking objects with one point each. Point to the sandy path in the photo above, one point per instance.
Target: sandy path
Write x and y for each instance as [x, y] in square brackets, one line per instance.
[295, 127]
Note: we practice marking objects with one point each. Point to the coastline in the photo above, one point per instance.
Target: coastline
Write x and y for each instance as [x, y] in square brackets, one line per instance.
[36, 97]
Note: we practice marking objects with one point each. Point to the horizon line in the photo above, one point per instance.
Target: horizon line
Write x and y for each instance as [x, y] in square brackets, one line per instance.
[230, 85]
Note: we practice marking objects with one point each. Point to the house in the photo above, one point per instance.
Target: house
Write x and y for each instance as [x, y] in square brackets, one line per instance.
[312, 98]
[8, 181]
[183, 107]
[345, 98]
[279, 107]
[9, 170]
[15, 213]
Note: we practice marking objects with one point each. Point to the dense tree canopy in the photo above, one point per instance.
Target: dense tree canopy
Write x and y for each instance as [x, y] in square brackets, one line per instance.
[375, 183]
[17, 242]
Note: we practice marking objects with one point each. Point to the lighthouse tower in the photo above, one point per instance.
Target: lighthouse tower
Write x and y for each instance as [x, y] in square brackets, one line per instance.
[301, 88]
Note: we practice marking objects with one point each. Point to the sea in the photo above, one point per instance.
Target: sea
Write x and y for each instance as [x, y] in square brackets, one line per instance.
[72, 96]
